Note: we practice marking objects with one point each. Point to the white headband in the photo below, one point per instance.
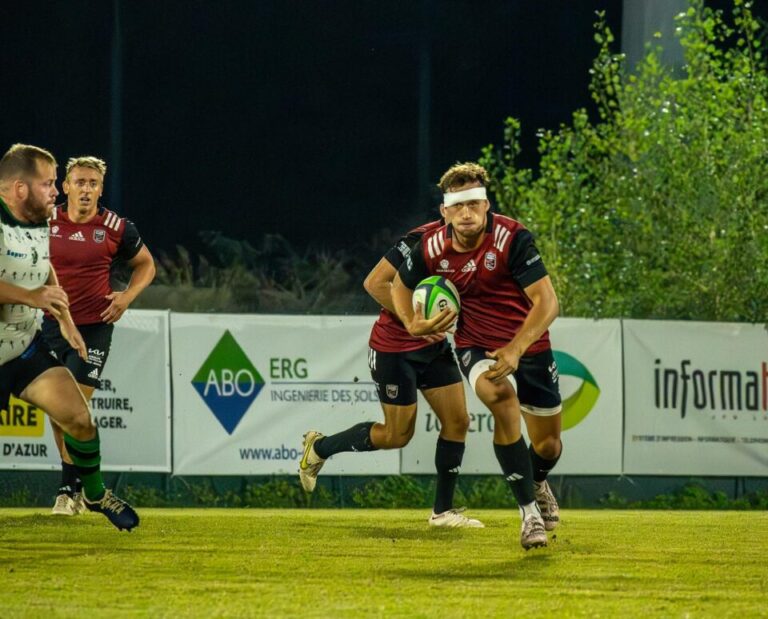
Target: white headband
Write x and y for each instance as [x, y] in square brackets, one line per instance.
[476, 193]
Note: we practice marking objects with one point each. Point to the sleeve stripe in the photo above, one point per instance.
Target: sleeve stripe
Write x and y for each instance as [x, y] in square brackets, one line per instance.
[436, 244]
[112, 221]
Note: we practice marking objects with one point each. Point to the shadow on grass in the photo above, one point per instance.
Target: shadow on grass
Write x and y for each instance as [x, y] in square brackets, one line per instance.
[530, 566]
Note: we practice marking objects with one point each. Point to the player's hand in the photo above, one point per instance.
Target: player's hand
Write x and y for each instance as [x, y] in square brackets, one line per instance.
[53, 299]
[70, 333]
[434, 338]
[116, 309]
[433, 326]
[506, 364]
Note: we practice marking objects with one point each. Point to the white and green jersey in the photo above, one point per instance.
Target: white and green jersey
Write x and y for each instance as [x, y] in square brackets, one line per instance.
[24, 262]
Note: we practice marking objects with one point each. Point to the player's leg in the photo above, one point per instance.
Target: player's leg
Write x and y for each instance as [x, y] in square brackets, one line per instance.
[537, 381]
[440, 382]
[44, 383]
[508, 442]
[98, 340]
[396, 385]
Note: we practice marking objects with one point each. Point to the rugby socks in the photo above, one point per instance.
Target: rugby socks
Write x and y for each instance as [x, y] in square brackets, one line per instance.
[86, 456]
[542, 466]
[69, 480]
[448, 456]
[356, 438]
[516, 465]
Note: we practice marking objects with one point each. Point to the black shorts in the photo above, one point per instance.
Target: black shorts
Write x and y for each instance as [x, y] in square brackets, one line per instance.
[399, 374]
[17, 373]
[98, 339]
[536, 379]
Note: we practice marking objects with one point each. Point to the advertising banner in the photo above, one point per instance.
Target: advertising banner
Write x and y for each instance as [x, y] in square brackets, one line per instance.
[696, 398]
[132, 406]
[246, 388]
[588, 355]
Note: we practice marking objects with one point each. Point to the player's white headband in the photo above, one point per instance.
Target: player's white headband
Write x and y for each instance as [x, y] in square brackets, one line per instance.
[476, 193]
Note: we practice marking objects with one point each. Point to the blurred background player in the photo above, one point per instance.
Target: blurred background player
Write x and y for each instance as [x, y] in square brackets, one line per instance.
[502, 342]
[400, 364]
[86, 242]
[27, 281]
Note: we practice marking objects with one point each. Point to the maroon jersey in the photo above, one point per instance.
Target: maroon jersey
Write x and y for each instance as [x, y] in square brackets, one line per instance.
[490, 279]
[82, 255]
[388, 333]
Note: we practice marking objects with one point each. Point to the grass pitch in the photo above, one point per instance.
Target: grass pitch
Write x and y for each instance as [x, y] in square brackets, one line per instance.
[382, 563]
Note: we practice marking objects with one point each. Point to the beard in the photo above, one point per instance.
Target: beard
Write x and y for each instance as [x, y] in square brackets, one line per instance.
[37, 210]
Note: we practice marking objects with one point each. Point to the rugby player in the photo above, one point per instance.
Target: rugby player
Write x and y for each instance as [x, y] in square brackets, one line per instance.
[502, 339]
[400, 364]
[86, 240]
[27, 281]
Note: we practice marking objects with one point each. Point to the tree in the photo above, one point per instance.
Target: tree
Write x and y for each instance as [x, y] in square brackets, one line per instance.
[659, 207]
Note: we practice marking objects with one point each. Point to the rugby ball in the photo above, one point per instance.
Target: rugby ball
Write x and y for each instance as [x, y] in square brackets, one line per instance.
[434, 294]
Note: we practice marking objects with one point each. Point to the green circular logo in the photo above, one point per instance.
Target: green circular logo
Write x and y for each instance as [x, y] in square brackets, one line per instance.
[578, 405]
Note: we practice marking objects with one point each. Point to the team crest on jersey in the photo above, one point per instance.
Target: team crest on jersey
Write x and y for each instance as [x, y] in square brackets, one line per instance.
[490, 261]
[392, 391]
[444, 264]
[466, 358]
[99, 235]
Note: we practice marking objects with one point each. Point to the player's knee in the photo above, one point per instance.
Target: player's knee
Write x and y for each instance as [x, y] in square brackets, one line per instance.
[548, 447]
[397, 437]
[456, 426]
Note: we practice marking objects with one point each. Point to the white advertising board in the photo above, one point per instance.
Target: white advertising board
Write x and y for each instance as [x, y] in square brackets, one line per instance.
[696, 398]
[132, 408]
[588, 354]
[246, 388]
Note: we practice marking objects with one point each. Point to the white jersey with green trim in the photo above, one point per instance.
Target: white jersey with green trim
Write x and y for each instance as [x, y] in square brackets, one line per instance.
[24, 262]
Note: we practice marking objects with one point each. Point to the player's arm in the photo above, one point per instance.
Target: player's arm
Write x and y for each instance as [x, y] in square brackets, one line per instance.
[378, 283]
[67, 327]
[49, 297]
[142, 273]
[529, 271]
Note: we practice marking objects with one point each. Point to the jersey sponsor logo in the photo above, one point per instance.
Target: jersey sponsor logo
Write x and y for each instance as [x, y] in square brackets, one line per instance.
[530, 261]
[99, 235]
[371, 359]
[15, 254]
[54, 231]
[403, 248]
[392, 391]
[500, 237]
[490, 261]
[444, 264]
[469, 267]
[77, 236]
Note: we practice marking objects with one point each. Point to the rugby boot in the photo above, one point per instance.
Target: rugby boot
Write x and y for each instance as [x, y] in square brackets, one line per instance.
[532, 532]
[115, 509]
[454, 519]
[545, 499]
[310, 463]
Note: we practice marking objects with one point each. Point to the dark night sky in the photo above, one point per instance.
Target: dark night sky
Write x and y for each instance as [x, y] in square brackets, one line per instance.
[300, 118]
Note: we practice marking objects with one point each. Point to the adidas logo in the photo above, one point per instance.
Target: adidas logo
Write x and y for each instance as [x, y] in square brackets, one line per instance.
[514, 477]
[77, 236]
[94, 373]
[470, 266]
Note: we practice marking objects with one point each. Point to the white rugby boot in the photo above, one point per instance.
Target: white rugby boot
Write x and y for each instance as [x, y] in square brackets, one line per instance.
[454, 519]
[545, 499]
[64, 506]
[532, 532]
[310, 463]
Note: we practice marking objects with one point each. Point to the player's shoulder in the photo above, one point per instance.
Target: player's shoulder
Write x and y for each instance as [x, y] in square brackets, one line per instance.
[505, 229]
[110, 220]
[427, 227]
[433, 241]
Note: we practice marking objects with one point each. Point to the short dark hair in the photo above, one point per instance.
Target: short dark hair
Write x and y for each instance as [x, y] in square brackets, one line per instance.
[21, 161]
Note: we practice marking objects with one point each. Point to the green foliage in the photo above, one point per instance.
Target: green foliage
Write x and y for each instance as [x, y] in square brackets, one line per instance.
[692, 495]
[659, 207]
[283, 493]
[393, 491]
[234, 276]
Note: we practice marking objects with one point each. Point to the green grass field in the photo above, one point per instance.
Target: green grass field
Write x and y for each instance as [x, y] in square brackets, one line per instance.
[382, 563]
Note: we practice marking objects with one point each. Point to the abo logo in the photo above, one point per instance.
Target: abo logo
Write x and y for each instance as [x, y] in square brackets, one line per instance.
[228, 382]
